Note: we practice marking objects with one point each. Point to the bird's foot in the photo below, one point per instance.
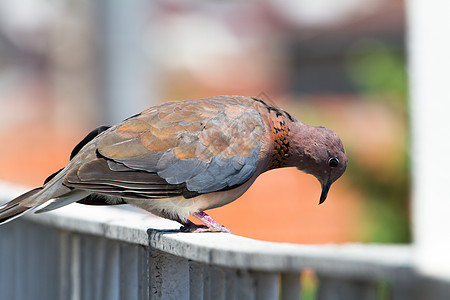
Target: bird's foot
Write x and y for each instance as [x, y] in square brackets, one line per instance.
[211, 224]
[191, 227]
[203, 228]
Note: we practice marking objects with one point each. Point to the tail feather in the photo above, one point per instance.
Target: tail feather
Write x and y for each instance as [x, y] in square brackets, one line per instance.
[63, 200]
[52, 190]
[14, 208]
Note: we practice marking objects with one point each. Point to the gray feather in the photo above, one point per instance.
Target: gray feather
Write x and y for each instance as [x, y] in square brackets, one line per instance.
[182, 170]
[146, 162]
[222, 173]
[63, 200]
[118, 167]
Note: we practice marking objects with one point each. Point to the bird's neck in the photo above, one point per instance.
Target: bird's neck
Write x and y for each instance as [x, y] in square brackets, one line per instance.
[291, 139]
[288, 137]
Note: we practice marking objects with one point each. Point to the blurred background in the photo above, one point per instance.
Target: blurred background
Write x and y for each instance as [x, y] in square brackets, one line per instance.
[68, 66]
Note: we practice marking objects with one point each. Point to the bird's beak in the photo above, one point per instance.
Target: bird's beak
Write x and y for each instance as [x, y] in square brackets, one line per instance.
[325, 189]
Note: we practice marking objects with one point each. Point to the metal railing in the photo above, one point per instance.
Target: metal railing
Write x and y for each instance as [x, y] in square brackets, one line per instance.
[81, 252]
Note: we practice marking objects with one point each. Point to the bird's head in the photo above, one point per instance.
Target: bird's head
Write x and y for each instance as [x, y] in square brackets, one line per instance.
[321, 153]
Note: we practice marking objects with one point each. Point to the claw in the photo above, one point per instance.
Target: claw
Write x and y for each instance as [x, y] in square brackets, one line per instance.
[210, 224]
[203, 228]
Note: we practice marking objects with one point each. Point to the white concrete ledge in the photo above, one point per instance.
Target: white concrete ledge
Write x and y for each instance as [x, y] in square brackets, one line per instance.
[350, 260]
[138, 227]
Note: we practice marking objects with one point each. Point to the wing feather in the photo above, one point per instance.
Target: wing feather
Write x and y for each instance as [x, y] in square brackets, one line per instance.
[97, 177]
[178, 148]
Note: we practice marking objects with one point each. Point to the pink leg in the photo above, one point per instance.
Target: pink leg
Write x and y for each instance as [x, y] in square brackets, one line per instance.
[210, 223]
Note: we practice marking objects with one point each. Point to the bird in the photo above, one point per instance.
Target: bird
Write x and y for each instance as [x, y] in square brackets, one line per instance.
[181, 158]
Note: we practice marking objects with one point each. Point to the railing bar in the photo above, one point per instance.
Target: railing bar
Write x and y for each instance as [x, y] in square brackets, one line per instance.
[19, 262]
[87, 267]
[230, 284]
[144, 272]
[75, 272]
[111, 271]
[206, 282]
[266, 285]
[170, 276]
[410, 291]
[95, 266]
[337, 289]
[129, 281]
[217, 283]
[245, 285]
[48, 260]
[65, 254]
[8, 258]
[290, 286]
[31, 261]
[43, 258]
[156, 278]
[196, 281]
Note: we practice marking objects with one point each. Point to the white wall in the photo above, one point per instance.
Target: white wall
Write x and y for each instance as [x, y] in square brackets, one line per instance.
[429, 50]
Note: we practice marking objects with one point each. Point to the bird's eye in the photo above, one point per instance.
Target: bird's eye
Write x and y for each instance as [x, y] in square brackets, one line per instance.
[333, 162]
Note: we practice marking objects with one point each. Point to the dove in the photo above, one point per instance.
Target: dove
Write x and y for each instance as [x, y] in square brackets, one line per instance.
[181, 158]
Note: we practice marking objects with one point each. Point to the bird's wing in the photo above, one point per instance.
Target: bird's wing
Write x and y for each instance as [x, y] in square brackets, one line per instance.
[97, 176]
[179, 147]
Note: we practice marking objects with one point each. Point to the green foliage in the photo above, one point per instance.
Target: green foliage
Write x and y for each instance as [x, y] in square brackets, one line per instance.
[309, 285]
[378, 70]
[387, 211]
